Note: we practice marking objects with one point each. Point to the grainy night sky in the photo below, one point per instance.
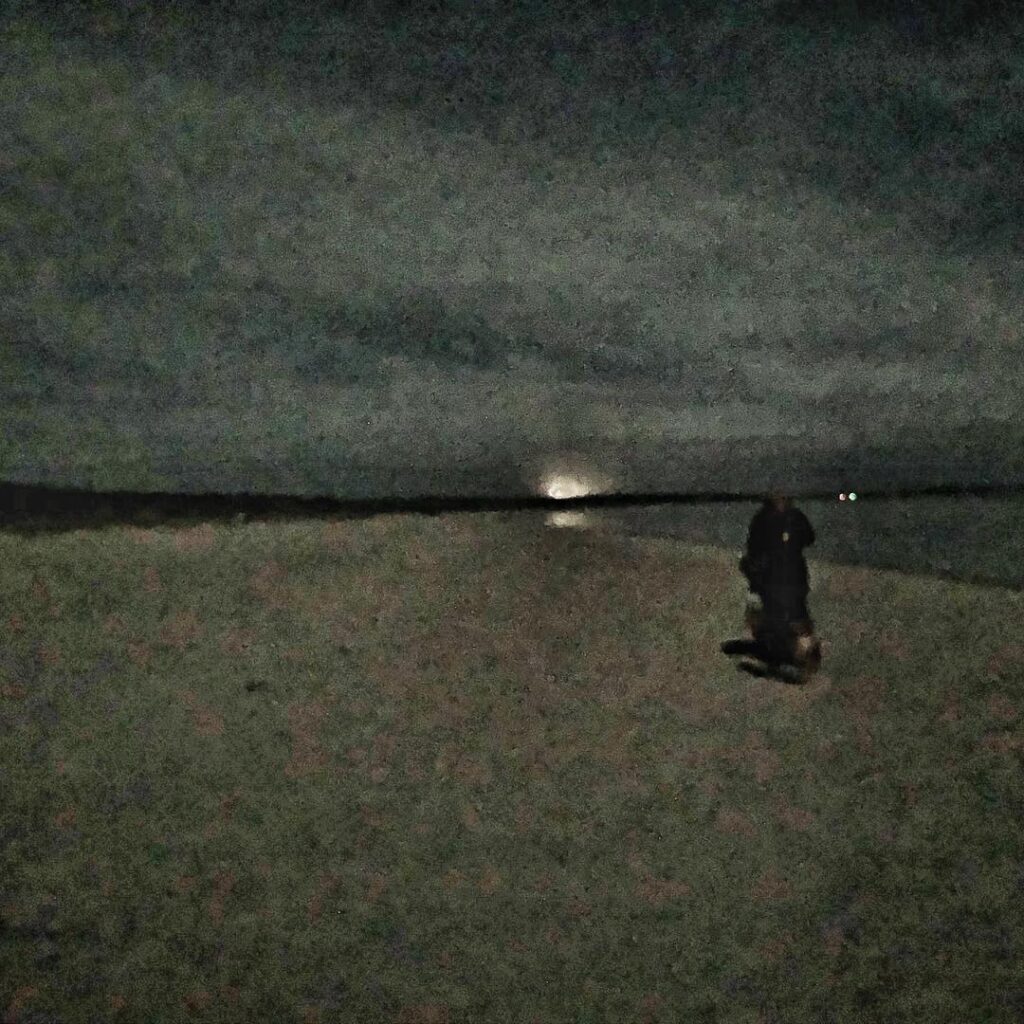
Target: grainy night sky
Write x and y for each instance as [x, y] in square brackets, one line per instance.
[382, 250]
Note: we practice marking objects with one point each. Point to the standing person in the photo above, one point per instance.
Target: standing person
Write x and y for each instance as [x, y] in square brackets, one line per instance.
[774, 559]
[776, 572]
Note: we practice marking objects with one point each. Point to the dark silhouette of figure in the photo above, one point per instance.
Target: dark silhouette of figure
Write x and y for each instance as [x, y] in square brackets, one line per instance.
[774, 562]
[776, 573]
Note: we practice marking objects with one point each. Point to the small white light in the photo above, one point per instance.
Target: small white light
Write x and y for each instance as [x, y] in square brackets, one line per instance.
[853, 496]
[842, 497]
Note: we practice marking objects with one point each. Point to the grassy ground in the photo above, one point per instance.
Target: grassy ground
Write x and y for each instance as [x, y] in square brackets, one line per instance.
[470, 769]
[304, 252]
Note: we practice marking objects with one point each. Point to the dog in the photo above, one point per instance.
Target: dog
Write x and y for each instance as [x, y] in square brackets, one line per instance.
[782, 643]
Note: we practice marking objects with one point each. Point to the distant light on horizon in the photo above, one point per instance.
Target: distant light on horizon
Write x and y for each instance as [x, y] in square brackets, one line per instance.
[564, 483]
[567, 485]
[852, 496]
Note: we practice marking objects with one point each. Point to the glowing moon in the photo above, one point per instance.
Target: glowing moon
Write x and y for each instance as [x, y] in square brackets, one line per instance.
[568, 478]
[567, 485]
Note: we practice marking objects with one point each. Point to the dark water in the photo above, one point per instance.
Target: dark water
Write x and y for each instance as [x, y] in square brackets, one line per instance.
[968, 538]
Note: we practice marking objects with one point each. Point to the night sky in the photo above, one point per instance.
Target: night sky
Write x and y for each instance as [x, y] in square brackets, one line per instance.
[385, 250]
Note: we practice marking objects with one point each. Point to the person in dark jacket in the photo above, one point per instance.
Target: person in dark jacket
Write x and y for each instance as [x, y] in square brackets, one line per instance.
[776, 573]
[774, 561]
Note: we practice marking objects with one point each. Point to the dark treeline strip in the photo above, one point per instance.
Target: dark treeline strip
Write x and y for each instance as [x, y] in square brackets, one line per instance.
[30, 509]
